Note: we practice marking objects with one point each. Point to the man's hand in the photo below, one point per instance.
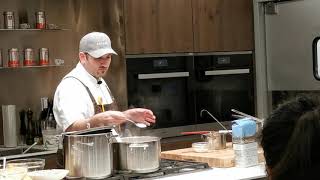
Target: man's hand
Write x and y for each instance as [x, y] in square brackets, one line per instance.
[140, 115]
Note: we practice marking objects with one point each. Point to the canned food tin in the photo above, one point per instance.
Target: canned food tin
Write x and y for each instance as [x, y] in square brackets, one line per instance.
[13, 57]
[28, 57]
[44, 56]
[8, 20]
[40, 20]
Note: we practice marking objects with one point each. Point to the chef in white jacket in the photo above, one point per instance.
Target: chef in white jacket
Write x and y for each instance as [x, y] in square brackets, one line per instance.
[83, 99]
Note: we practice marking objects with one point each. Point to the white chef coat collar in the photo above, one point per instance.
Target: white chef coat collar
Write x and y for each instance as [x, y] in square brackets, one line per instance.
[82, 74]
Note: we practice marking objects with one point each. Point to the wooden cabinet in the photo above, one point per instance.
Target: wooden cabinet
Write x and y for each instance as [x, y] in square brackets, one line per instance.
[170, 26]
[222, 25]
[158, 26]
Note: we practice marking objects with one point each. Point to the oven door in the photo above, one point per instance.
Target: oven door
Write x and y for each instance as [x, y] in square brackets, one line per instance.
[219, 91]
[165, 94]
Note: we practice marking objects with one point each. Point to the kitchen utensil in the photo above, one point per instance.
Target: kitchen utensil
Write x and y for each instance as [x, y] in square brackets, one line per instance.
[32, 164]
[203, 110]
[25, 151]
[48, 174]
[140, 125]
[195, 132]
[88, 152]
[247, 115]
[139, 154]
[216, 140]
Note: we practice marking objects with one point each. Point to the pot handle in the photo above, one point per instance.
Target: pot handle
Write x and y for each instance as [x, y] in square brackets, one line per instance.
[86, 144]
[139, 145]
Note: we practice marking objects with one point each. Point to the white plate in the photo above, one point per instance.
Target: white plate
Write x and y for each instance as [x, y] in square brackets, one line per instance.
[49, 174]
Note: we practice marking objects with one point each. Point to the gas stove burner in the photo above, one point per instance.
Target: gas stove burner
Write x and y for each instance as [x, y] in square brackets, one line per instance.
[167, 167]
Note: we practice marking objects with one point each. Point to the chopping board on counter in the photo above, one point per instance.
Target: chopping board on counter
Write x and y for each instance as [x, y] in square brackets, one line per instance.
[218, 158]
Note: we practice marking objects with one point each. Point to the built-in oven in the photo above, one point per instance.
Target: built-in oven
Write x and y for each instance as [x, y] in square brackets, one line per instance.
[223, 81]
[162, 84]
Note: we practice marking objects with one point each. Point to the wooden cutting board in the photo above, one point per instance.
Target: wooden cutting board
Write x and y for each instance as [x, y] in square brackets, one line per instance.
[217, 158]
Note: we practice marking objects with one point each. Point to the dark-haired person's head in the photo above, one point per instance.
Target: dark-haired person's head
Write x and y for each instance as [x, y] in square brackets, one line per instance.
[291, 139]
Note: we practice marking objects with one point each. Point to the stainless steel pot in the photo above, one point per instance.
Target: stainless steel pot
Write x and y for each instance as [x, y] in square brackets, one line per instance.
[88, 154]
[139, 154]
[216, 140]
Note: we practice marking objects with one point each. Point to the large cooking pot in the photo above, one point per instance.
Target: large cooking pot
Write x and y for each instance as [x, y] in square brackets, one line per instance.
[139, 154]
[88, 153]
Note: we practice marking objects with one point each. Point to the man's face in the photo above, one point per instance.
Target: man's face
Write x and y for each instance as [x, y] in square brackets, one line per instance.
[97, 67]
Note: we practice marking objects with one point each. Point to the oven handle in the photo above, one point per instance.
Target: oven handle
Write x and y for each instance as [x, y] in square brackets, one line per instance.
[163, 75]
[226, 72]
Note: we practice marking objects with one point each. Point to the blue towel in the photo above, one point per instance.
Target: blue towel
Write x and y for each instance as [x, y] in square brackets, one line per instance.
[242, 128]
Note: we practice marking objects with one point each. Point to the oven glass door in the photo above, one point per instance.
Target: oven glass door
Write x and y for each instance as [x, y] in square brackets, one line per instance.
[219, 93]
[166, 97]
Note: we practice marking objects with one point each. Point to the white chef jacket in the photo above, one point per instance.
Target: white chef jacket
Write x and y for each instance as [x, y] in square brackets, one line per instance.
[72, 101]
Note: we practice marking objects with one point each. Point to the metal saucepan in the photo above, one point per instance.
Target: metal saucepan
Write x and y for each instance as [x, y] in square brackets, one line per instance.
[139, 154]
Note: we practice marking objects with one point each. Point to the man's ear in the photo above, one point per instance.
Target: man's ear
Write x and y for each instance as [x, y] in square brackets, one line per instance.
[82, 57]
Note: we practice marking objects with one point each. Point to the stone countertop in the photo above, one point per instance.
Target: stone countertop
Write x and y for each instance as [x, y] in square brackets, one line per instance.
[27, 155]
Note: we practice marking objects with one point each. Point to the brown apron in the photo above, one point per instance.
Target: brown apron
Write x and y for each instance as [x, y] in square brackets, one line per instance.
[97, 109]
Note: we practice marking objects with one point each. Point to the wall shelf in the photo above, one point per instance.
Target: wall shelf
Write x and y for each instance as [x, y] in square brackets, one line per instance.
[36, 66]
[34, 29]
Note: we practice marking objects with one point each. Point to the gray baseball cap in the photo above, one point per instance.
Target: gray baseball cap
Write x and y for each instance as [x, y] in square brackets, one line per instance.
[96, 44]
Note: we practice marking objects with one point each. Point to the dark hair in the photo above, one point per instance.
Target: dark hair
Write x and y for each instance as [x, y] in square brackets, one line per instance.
[291, 139]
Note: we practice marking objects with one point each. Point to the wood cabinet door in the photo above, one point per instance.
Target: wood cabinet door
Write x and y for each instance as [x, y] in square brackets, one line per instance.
[222, 25]
[158, 26]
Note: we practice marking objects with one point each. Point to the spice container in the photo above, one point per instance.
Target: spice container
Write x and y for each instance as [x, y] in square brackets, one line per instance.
[28, 57]
[40, 20]
[13, 57]
[43, 56]
[8, 20]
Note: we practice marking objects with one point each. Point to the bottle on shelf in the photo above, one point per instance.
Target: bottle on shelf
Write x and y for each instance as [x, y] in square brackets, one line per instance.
[30, 133]
[23, 126]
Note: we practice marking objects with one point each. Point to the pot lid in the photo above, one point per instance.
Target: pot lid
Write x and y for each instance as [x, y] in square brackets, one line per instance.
[96, 130]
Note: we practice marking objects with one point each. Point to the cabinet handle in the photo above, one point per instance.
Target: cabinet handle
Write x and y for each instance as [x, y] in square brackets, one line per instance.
[226, 72]
[163, 75]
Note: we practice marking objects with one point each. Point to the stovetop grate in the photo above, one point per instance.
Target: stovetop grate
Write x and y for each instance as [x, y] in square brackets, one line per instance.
[167, 167]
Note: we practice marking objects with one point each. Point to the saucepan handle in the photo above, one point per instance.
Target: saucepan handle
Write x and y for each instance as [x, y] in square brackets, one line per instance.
[195, 132]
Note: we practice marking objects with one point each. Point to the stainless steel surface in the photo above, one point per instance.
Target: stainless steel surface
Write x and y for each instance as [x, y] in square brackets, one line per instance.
[226, 72]
[88, 155]
[216, 140]
[163, 75]
[288, 52]
[139, 154]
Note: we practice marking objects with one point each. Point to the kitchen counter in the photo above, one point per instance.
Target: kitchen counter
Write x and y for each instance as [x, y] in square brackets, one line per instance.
[232, 173]
[42, 152]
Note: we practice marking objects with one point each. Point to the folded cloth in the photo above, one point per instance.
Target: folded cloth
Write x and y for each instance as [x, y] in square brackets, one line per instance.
[242, 128]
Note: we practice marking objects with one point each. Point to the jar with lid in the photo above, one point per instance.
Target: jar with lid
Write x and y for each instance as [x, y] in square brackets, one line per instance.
[8, 20]
[40, 20]
[13, 57]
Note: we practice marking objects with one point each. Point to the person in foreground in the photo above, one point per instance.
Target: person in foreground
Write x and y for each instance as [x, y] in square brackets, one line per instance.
[290, 140]
[83, 99]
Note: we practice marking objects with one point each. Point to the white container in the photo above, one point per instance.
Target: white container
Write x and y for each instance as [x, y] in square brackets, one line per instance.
[10, 134]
